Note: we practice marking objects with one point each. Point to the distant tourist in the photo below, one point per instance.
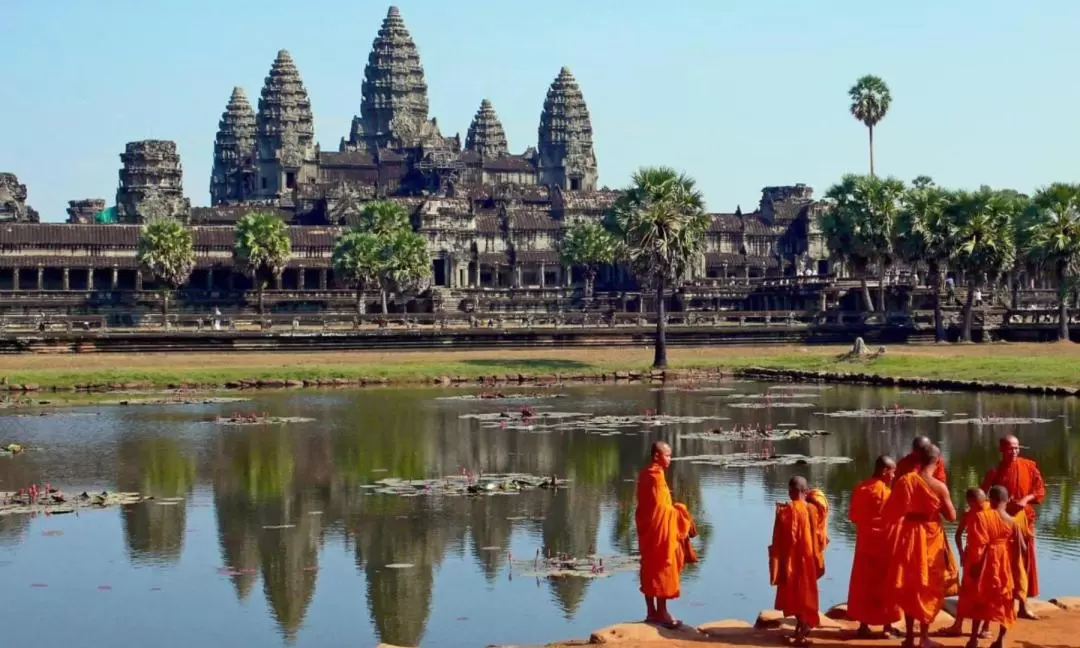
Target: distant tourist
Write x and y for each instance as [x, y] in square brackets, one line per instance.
[978, 297]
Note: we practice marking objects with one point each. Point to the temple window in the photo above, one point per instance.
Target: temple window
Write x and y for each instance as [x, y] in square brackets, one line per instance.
[290, 180]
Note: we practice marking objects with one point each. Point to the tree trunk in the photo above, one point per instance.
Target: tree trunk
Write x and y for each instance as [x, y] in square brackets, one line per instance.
[383, 294]
[1063, 303]
[871, 129]
[939, 320]
[165, 308]
[1014, 286]
[965, 335]
[868, 301]
[360, 308]
[590, 280]
[262, 289]
[881, 289]
[660, 357]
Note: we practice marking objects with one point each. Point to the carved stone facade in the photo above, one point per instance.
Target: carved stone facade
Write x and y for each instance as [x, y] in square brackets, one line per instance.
[13, 207]
[486, 135]
[285, 133]
[151, 183]
[83, 212]
[566, 141]
[235, 172]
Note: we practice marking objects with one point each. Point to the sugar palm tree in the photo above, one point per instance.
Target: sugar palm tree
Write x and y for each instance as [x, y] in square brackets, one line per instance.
[358, 259]
[262, 248]
[870, 100]
[984, 245]
[587, 245]
[1055, 240]
[408, 264]
[924, 235]
[660, 222]
[166, 250]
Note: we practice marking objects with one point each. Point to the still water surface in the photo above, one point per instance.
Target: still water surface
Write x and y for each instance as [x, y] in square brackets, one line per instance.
[210, 569]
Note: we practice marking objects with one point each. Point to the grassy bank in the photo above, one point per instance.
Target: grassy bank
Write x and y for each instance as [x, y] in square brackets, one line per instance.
[1045, 364]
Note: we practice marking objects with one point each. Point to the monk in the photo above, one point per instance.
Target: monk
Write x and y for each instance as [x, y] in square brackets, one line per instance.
[921, 568]
[1022, 479]
[797, 559]
[867, 593]
[976, 503]
[664, 529]
[995, 541]
[911, 462]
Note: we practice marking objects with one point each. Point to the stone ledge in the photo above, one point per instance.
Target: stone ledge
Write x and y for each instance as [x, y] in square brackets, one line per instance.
[856, 378]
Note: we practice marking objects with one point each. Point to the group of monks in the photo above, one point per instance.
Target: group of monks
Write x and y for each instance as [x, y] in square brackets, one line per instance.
[904, 567]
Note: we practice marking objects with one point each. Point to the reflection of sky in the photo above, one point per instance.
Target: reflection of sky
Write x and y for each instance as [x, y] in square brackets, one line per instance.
[197, 606]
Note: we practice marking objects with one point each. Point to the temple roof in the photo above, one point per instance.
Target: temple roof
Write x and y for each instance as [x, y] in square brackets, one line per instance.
[565, 119]
[284, 119]
[486, 135]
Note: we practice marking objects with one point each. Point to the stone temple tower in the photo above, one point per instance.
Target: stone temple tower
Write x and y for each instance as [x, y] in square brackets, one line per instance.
[394, 108]
[486, 135]
[566, 142]
[284, 132]
[235, 174]
[151, 183]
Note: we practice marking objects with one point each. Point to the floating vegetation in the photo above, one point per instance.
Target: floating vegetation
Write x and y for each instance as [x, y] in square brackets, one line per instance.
[998, 420]
[754, 434]
[593, 566]
[467, 484]
[703, 389]
[272, 527]
[11, 449]
[175, 400]
[259, 419]
[50, 500]
[529, 420]
[756, 460]
[773, 396]
[797, 388]
[886, 413]
[501, 396]
[772, 404]
[400, 565]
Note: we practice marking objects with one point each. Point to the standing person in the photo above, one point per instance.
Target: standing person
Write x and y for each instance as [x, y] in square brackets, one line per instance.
[995, 543]
[912, 460]
[976, 503]
[664, 530]
[921, 569]
[868, 596]
[1024, 483]
[797, 559]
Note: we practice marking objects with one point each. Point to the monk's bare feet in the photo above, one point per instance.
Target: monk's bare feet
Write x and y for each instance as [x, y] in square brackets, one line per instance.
[864, 632]
[890, 631]
[1025, 613]
[955, 630]
[985, 632]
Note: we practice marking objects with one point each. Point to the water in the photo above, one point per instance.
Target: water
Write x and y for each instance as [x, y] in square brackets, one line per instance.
[210, 570]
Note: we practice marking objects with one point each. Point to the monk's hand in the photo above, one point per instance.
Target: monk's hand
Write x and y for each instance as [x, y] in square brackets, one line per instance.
[1025, 500]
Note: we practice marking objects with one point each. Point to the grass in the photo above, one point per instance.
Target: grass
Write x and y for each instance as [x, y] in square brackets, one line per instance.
[1036, 364]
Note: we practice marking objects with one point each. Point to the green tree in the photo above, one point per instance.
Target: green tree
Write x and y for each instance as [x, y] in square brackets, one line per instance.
[166, 250]
[588, 245]
[860, 225]
[358, 259]
[924, 235]
[408, 264]
[870, 100]
[984, 245]
[262, 248]
[660, 221]
[1055, 240]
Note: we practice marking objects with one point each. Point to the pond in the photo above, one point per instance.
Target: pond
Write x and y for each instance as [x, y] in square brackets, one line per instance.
[279, 534]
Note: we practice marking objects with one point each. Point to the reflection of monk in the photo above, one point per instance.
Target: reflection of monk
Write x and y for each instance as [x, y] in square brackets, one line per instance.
[921, 569]
[911, 462]
[867, 593]
[797, 558]
[1022, 479]
[994, 547]
[664, 530]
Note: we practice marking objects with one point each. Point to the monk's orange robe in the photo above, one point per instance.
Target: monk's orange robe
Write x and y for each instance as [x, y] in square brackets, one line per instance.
[663, 529]
[1020, 557]
[1022, 478]
[922, 571]
[989, 583]
[910, 463]
[868, 597]
[816, 497]
[797, 561]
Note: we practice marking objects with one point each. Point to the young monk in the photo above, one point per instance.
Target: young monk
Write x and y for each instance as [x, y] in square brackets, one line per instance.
[976, 503]
[867, 592]
[920, 570]
[664, 529]
[910, 461]
[994, 543]
[797, 560]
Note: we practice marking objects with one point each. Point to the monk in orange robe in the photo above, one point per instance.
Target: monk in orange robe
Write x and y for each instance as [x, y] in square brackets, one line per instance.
[994, 543]
[1021, 477]
[664, 530]
[797, 559]
[921, 569]
[911, 461]
[976, 503]
[867, 593]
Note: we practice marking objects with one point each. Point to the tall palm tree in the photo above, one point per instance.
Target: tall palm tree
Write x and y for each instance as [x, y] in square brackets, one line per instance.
[408, 266]
[262, 248]
[1055, 240]
[984, 245]
[358, 259]
[166, 249]
[924, 234]
[660, 221]
[870, 100]
[587, 245]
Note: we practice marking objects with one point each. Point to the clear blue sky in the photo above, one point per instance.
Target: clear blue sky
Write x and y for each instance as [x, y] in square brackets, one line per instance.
[738, 94]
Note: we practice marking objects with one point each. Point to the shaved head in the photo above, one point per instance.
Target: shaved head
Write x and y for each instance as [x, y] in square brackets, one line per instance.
[921, 443]
[999, 496]
[883, 464]
[798, 484]
[929, 456]
[661, 454]
[660, 446]
[1009, 446]
[975, 494]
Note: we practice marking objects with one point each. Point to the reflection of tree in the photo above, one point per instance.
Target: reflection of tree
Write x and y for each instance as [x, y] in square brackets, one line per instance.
[157, 467]
[570, 527]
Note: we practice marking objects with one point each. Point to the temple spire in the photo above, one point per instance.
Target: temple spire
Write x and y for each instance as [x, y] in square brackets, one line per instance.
[486, 135]
[285, 131]
[565, 137]
[234, 152]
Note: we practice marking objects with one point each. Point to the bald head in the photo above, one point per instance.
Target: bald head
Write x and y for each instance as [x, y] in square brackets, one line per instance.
[1009, 446]
[797, 487]
[661, 454]
[659, 447]
[921, 443]
[999, 496]
[930, 456]
[884, 466]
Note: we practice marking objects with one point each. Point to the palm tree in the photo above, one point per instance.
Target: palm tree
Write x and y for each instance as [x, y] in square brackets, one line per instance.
[870, 100]
[166, 250]
[358, 259]
[588, 245]
[660, 221]
[860, 224]
[408, 262]
[924, 234]
[1055, 240]
[983, 245]
[262, 248]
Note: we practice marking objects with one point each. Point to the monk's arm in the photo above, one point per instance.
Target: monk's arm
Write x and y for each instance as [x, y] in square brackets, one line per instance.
[1038, 487]
[959, 537]
[947, 508]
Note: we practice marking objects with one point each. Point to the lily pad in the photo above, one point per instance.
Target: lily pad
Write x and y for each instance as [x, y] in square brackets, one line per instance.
[886, 413]
[467, 485]
[502, 397]
[757, 460]
[772, 404]
[997, 420]
[260, 420]
[786, 434]
[593, 566]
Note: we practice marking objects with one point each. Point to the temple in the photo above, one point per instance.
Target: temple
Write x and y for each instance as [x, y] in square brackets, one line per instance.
[493, 217]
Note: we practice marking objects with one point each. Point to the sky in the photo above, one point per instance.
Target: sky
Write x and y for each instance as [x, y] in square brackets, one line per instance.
[738, 94]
